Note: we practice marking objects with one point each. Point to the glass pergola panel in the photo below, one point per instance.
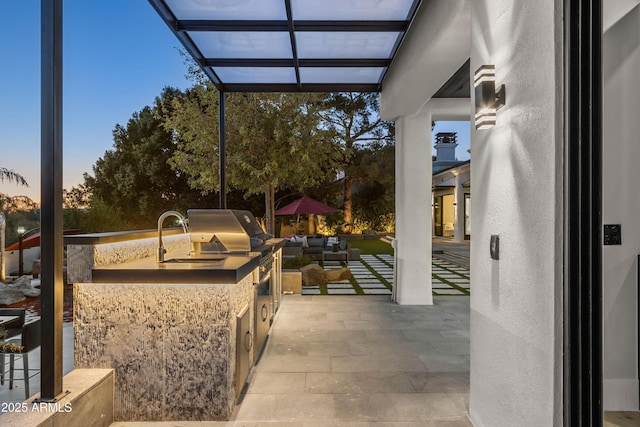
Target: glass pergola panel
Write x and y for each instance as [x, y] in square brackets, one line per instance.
[360, 10]
[371, 45]
[340, 74]
[243, 44]
[326, 44]
[250, 75]
[227, 9]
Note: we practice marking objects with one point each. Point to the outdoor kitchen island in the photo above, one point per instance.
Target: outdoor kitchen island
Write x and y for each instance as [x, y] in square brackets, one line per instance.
[179, 335]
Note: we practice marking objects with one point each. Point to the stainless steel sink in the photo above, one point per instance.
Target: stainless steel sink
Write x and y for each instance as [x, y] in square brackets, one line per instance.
[192, 260]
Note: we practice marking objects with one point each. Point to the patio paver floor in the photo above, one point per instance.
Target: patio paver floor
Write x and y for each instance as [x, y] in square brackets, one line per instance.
[339, 361]
[376, 271]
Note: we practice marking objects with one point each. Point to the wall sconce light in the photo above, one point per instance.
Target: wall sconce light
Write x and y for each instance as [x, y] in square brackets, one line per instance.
[488, 100]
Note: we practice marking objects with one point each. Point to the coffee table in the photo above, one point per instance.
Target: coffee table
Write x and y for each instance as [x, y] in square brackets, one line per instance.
[335, 255]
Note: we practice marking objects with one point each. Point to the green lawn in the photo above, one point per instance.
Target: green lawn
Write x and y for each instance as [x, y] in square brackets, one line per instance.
[372, 247]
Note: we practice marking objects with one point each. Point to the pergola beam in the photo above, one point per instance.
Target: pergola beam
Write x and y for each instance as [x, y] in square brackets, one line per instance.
[282, 25]
[51, 241]
[292, 87]
[292, 37]
[289, 62]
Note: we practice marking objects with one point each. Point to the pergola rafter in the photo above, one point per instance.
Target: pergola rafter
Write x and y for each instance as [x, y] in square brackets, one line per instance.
[340, 54]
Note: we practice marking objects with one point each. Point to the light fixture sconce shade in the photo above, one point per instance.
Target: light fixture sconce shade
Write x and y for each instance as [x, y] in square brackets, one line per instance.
[488, 100]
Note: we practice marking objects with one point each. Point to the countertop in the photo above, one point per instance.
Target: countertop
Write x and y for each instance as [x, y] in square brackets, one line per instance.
[118, 236]
[231, 269]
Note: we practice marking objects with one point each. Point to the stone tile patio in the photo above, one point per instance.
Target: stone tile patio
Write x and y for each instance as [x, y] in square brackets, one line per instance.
[334, 360]
[373, 275]
[358, 362]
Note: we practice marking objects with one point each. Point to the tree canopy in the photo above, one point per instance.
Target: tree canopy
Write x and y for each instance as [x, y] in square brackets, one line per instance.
[274, 140]
[166, 157]
[14, 210]
[355, 120]
[134, 178]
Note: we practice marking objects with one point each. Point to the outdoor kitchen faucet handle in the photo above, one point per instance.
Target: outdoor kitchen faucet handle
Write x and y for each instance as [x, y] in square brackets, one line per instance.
[161, 249]
[161, 252]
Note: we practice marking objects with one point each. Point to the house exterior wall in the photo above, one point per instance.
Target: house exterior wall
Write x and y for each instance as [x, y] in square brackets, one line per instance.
[459, 195]
[614, 10]
[438, 41]
[451, 183]
[12, 260]
[516, 301]
[413, 229]
[621, 205]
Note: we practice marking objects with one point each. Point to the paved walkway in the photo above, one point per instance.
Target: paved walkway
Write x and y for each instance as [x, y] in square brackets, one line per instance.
[344, 361]
[335, 361]
[373, 275]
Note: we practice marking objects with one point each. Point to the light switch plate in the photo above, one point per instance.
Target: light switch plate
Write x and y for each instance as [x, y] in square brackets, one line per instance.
[494, 246]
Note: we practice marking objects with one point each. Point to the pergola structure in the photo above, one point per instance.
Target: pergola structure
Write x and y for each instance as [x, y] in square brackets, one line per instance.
[291, 45]
[288, 45]
[294, 46]
[346, 45]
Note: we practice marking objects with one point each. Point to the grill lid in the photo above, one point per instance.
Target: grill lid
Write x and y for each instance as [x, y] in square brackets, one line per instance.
[225, 230]
[248, 221]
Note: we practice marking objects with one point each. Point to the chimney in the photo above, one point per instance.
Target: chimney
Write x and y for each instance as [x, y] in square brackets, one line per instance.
[446, 143]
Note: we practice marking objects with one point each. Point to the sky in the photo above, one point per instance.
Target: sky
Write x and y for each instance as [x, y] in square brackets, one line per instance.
[118, 55]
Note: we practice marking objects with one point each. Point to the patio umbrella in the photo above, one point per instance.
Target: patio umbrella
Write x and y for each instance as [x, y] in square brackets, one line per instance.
[306, 205]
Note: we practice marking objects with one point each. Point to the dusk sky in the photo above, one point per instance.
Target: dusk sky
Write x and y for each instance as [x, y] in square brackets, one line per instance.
[118, 56]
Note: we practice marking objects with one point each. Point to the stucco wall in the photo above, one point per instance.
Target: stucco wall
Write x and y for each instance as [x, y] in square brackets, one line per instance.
[614, 10]
[413, 202]
[433, 50]
[516, 318]
[516, 302]
[621, 205]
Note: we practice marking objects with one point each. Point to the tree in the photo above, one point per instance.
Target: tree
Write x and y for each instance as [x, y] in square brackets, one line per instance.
[278, 143]
[374, 199]
[78, 197]
[193, 118]
[273, 141]
[135, 179]
[75, 205]
[12, 177]
[5, 202]
[355, 119]
[18, 211]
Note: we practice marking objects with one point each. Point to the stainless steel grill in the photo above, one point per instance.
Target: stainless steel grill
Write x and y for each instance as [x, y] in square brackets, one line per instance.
[226, 231]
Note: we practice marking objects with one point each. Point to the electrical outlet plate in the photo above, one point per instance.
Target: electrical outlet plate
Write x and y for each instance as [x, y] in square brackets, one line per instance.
[612, 234]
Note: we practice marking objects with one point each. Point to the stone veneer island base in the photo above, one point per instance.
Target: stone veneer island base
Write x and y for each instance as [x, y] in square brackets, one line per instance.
[172, 345]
